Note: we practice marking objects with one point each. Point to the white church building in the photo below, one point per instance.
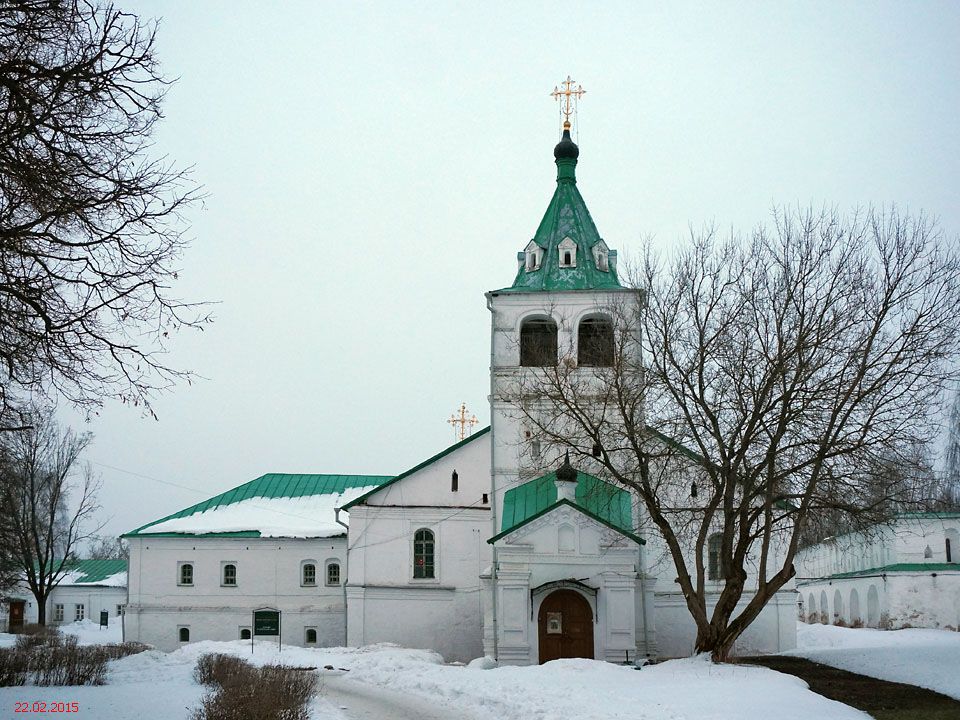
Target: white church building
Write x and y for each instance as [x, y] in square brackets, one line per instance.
[491, 547]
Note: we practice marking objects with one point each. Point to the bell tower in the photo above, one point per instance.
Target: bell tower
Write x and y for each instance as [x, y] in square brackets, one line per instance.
[558, 310]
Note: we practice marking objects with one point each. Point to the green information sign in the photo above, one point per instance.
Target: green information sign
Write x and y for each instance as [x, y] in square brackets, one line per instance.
[266, 622]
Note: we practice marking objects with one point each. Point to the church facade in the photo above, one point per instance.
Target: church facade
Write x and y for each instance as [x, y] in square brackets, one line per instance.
[495, 546]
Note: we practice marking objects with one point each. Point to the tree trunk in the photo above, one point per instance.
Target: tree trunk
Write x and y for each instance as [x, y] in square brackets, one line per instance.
[41, 611]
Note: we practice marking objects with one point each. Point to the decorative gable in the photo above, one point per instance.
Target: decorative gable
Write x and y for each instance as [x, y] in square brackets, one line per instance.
[533, 256]
[601, 256]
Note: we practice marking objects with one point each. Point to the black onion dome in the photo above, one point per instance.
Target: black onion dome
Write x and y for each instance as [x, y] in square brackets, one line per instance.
[566, 148]
[566, 472]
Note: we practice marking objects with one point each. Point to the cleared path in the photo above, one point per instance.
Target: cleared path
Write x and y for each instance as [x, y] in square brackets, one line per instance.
[359, 701]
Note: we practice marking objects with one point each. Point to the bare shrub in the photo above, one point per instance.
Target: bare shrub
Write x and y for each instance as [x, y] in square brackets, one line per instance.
[858, 623]
[52, 659]
[242, 692]
[217, 669]
[839, 621]
[13, 667]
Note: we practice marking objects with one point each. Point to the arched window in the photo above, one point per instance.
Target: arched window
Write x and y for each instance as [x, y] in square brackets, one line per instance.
[568, 253]
[951, 545]
[538, 343]
[311, 636]
[245, 633]
[714, 561]
[184, 634]
[333, 573]
[230, 574]
[423, 559]
[595, 342]
[186, 574]
[454, 481]
[309, 574]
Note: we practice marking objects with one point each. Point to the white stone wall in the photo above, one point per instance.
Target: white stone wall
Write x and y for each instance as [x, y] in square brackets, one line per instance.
[905, 540]
[387, 604]
[268, 575]
[93, 598]
[892, 600]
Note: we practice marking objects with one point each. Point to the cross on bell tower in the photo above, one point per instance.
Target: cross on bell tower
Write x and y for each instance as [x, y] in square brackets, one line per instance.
[570, 97]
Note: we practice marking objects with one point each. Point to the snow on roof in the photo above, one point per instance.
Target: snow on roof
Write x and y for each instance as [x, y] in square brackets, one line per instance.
[303, 515]
[109, 573]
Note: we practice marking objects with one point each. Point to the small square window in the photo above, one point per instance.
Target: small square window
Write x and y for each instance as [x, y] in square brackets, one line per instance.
[310, 636]
[183, 634]
[245, 633]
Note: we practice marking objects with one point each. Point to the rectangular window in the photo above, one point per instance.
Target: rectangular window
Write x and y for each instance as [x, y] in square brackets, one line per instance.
[309, 574]
[78, 612]
[58, 612]
[120, 609]
[230, 575]
[184, 573]
[333, 574]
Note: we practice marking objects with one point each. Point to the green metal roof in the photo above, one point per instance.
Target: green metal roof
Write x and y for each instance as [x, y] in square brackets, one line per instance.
[415, 468]
[93, 571]
[600, 500]
[271, 485]
[566, 216]
[886, 569]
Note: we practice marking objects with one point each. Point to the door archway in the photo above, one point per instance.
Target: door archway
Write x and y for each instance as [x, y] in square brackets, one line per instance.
[565, 626]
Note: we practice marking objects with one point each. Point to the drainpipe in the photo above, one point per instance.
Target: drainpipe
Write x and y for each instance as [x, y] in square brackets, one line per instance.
[346, 569]
[493, 489]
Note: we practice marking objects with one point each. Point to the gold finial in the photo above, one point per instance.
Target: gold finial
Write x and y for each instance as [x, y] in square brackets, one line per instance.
[567, 94]
[465, 424]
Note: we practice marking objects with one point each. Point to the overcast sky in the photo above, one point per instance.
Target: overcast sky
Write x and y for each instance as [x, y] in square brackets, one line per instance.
[373, 169]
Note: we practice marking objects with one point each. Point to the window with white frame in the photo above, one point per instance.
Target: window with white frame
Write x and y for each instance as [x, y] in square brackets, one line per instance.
[58, 612]
[423, 554]
[308, 573]
[601, 256]
[333, 573]
[534, 256]
[229, 575]
[184, 573]
[78, 612]
[715, 564]
[120, 608]
[568, 253]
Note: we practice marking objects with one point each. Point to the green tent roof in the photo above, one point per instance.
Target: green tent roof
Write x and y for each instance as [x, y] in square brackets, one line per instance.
[600, 500]
[271, 485]
[566, 217]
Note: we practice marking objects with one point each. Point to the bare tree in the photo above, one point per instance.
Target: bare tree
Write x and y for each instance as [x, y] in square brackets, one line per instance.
[952, 465]
[107, 547]
[48, 515]
[766, 384]
[91, 226]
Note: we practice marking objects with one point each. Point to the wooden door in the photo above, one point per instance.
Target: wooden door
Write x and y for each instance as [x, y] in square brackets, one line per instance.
[565, 626]
[16, 615]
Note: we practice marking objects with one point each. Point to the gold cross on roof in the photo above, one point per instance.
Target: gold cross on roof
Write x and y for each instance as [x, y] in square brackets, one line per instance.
[567, 94]
[465, 423]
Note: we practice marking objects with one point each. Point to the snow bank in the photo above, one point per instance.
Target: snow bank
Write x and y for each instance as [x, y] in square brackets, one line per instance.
[691, 689]
[923, 657]
[306, 516]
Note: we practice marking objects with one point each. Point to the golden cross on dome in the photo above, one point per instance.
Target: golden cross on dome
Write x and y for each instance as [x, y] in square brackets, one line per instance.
[465, 423]
[568, 94]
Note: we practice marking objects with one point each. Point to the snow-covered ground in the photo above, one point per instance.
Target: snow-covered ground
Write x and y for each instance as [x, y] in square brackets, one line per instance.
[159, 684]
[925, 657]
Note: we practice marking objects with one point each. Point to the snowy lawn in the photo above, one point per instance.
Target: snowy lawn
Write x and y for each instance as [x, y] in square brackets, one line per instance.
[154, 684]
[923, 657]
